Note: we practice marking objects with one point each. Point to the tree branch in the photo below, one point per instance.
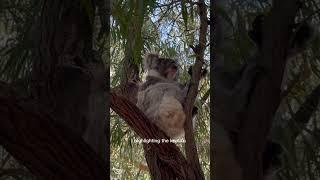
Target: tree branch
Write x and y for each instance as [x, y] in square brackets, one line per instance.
[191, 150]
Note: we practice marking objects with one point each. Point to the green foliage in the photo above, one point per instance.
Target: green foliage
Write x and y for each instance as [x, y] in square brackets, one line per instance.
[184, 13]
[128, 18]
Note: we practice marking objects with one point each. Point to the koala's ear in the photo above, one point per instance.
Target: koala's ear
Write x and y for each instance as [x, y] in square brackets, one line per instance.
[150, 61]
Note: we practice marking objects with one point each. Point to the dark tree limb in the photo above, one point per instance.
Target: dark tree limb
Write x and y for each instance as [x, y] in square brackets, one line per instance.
[45, 147]
[265, 98]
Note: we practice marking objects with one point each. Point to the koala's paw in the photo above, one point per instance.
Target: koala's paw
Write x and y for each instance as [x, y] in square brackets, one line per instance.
[171, 117]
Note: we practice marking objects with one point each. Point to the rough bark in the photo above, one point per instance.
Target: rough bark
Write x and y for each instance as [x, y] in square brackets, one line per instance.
[48, 149]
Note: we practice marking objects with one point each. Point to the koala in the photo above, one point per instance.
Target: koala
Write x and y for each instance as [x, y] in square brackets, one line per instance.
[161, 97]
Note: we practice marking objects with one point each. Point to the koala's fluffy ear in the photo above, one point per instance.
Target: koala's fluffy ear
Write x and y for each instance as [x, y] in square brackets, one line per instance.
[150, 61]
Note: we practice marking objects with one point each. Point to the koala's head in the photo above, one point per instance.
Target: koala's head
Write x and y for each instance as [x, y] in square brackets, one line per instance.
[163, 67]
